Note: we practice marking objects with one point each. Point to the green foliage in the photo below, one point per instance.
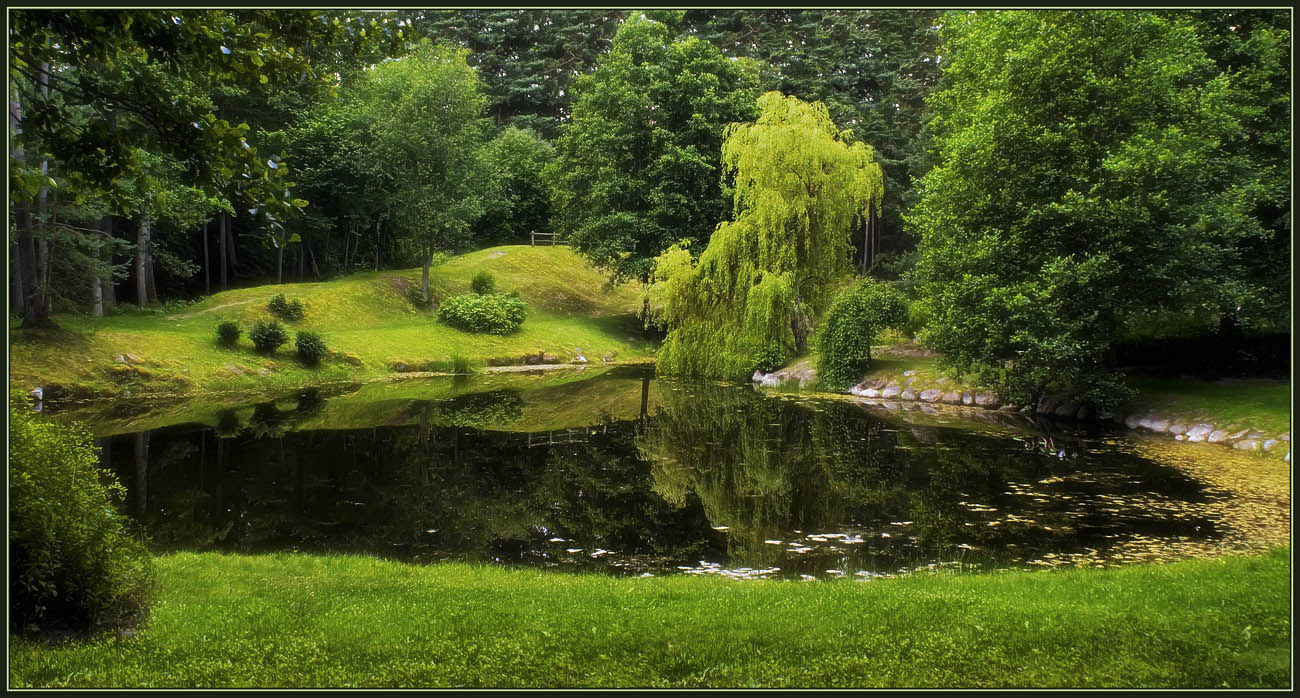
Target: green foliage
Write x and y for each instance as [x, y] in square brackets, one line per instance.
[267, 336]
[638, 168]
[311, 348]
[800, 182]
[522, 201]
[769, 358]
[72, 564]
[483, 283]
[500, 313]
[288, 310]
[854, 320]
[460, 365]
[228, 333]
[1090, 180]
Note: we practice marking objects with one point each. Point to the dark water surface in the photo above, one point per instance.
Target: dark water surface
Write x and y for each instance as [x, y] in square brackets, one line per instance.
[630, 475]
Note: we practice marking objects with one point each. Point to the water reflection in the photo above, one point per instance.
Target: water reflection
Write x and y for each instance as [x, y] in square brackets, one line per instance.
[714, 479]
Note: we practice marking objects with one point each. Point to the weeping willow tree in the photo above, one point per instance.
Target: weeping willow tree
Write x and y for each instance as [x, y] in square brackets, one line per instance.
[748, 301]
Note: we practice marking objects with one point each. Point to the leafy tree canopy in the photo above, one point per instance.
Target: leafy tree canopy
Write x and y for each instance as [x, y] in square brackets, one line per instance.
[1088, 181]
[800, 183]
[638, 168]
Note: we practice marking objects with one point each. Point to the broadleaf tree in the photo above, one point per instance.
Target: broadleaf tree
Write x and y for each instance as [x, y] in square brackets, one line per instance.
[751, 297]
[1086, 185]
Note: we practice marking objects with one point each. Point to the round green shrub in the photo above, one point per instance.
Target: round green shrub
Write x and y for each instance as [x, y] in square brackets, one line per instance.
[491, 314]
[483, 283]
[267, 336]
[311, 348]
[228, 333]
[72, 565]
[288, 310]
[851, 324]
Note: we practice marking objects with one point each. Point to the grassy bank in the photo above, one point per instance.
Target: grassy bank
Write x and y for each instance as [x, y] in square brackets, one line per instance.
[296, 620]
[368, 316]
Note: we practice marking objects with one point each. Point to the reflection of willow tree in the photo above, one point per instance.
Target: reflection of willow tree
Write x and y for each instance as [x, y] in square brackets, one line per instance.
[494, 408]
[751, 461]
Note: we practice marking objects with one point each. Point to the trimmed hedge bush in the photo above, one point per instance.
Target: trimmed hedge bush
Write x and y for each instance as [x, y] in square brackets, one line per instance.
[851, 324]
[73, 565]
[311, 348]
[267, 336]
[290, 311]
[228, 333]
[483, 283]
[492, 314]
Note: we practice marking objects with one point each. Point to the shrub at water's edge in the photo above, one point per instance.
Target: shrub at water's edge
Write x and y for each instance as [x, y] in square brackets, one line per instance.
[73, 566]
[311, 348]
[851, 324]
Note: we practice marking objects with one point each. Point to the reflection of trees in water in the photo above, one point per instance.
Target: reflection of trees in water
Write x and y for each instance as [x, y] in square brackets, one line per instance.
[768, 467]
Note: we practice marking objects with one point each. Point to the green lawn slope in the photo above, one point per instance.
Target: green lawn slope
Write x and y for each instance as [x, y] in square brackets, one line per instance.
[289, 620]
[367, 319]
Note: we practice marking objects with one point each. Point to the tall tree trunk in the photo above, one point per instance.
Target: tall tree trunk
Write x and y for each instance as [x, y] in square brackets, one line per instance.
[424, 276]
[377, 247]
[312, 256]
[302, 260]
[207, 277]
[230, 235]
[279, 264]
[221, 249]
[347, 241]
[26, 271]
[97, 283]
[141, 259]
[149, 277]
[109, 284]
[15, 279]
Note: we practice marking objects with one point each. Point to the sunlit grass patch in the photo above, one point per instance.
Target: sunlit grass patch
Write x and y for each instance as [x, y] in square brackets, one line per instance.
[299, 621]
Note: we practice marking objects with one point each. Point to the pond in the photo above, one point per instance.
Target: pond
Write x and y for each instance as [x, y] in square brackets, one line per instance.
[622, 473]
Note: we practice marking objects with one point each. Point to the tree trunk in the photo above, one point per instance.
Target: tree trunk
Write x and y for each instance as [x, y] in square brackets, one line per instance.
[279, 264]
[230, 235]
[141, 473]
[110, 284]
[15, 279]
[377, 238]
[141, 255]
[221, 249]
[207, 277]
[424, 276]
[347, 242]
[302, 260]
[97, 283]
[148, 273]
[312, 256]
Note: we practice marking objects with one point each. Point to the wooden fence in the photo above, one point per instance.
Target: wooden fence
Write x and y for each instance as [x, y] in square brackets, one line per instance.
[546, 239]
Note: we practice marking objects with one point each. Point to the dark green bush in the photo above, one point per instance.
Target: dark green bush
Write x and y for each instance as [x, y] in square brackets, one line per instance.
[311, 348]
[267, 336]
[289, 311]
[851, 324]
[73, 565]
[492, 314]
[228, 333]
[483, 283]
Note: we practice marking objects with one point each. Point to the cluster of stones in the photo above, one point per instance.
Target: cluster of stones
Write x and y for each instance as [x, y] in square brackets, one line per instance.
[906, 391]
[1244, 439]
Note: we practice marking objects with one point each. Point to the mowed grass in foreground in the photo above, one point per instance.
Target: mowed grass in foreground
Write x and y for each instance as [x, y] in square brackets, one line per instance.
[368, 315]
[334, 621]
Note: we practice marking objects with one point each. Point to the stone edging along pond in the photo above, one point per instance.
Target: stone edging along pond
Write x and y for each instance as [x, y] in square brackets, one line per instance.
[903, 389]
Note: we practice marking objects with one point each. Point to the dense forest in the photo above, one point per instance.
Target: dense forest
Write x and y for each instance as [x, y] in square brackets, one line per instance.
[1050, 184]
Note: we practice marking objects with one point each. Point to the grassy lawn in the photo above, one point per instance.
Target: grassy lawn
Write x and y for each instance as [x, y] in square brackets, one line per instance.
[330, 621]
[369, 316]
[1233, 405]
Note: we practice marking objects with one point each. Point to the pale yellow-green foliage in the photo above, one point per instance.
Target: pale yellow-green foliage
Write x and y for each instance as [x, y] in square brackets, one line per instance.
[800, 184]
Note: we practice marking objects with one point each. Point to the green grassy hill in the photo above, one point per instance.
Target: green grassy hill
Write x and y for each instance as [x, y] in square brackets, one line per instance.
[367, 319]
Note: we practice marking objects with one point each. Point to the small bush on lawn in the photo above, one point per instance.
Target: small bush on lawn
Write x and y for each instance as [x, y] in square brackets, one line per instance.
[311, 348]
[855, 317]
[267, 336]
[73, 565]
[483, 283]
[491, 314]
[287, 310]
[228, 333]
